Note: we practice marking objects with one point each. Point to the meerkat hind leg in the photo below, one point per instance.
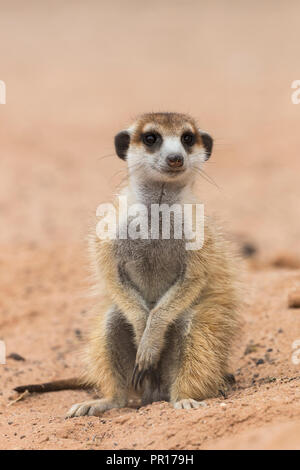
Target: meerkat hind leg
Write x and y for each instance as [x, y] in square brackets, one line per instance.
[202, 372]
[114, 358]
[93, 407]
[188, 404]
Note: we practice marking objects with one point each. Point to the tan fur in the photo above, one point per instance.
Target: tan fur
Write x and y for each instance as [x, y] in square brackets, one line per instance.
[106, 271]
[215, 323]
[212, 272]
[98, 372]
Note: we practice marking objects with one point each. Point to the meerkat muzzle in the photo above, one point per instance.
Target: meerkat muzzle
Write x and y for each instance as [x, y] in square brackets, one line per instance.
[175, 160]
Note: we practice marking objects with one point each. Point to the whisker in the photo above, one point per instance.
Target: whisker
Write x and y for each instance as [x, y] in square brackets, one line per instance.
[200, 170]
[206, 177]
[210, 178]
[132, 171]
[106, 156]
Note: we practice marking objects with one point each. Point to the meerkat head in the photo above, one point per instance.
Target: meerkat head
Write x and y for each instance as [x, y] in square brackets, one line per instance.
[164, 147]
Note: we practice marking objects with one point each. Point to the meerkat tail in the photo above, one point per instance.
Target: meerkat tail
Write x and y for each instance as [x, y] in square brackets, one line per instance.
[73, 383]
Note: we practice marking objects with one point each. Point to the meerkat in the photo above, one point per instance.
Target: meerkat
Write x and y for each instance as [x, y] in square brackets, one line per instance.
[167, 325]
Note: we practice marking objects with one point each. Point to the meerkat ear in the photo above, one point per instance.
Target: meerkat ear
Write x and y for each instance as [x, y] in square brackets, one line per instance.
[122, 141]
[207, 142]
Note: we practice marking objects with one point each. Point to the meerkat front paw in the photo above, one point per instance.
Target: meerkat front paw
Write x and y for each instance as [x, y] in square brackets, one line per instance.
[188, 404]
[139, 375]
[91, 408]
[145, 364]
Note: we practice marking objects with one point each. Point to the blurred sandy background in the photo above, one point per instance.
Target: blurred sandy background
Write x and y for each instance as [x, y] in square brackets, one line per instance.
[76, 73]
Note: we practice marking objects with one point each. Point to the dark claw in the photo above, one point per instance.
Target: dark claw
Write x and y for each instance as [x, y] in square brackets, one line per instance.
[223, 393]
[141, 377]
[138, 377]
[133, 380]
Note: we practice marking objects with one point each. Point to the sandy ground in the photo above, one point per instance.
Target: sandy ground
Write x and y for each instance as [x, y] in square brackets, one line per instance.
[76, 72]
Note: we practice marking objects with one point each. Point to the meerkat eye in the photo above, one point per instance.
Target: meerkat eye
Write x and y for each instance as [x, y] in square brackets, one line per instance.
[149, 139]
[188, 139]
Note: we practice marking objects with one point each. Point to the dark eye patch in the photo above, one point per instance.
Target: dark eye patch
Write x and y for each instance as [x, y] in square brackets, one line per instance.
[188, 139]
[151, 140]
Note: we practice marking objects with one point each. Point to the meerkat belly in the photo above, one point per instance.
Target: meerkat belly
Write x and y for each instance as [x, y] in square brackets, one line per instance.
[152, 266]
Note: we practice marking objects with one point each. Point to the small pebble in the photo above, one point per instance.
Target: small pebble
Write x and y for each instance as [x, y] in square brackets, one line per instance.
[16, 357]
[294, 300]
[251, 348]
[78, 333]
[259, 362]
[249, 249]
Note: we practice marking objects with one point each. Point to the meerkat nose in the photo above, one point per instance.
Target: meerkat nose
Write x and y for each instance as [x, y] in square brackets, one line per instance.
[175, 160]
